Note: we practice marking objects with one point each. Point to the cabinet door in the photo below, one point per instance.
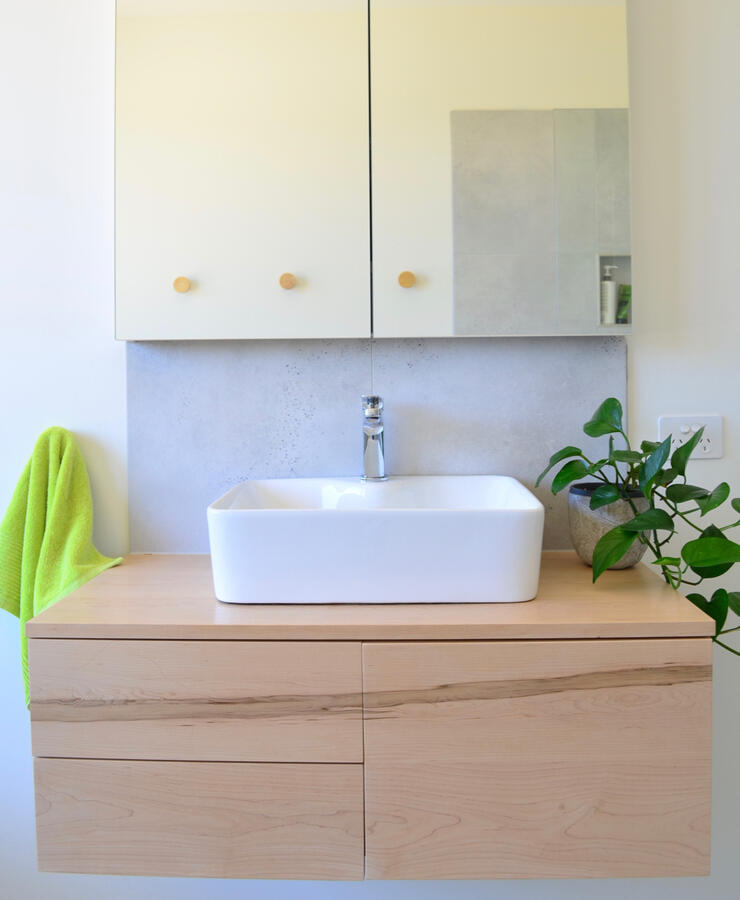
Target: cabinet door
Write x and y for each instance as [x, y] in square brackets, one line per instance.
[242, 156]
[447, 178]
[538, 759]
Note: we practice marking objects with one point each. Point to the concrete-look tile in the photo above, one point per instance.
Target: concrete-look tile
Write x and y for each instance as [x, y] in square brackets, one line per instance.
[575, 178]
[498, 294]
[578, 293]
[502, 182]
[528, 185]
[494, 405]
[613, 181]
[205, 415]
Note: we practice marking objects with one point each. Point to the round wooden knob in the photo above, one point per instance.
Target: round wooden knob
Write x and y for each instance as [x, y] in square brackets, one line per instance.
[288, 281]
[181, 284]
[407, 279]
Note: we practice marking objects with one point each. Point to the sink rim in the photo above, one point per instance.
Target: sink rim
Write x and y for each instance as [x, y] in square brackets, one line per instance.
[526, 502]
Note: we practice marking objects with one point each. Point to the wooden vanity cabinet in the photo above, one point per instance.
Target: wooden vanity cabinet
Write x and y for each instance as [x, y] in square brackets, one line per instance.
[566, 737]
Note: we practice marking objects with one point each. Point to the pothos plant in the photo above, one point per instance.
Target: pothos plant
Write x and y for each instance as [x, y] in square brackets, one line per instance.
[660, 477]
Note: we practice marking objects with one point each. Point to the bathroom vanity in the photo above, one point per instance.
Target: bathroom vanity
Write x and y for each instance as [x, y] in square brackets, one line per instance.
[565, 737]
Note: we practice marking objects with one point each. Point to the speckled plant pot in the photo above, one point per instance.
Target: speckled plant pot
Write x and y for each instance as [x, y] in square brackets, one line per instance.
[588, 526]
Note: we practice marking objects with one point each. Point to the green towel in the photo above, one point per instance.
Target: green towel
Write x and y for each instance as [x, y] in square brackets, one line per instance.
[46, 548]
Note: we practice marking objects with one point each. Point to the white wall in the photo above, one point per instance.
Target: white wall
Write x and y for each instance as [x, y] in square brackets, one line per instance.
[59, 364]
[683, 356]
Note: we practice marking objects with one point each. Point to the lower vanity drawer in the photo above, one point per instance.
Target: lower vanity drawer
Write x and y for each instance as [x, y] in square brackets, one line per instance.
[251, 701]
[220, 820]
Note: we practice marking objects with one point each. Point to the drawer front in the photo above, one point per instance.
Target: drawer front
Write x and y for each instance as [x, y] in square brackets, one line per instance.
[220, 820]
[264, 701]
[538, 759]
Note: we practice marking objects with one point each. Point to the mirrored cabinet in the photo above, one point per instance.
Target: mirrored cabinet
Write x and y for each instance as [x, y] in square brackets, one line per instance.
[333, 168]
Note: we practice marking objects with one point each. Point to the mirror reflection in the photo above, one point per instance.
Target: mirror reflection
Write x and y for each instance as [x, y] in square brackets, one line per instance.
[541, 221]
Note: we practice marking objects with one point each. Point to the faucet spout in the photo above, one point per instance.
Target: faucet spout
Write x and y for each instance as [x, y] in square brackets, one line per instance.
[373, 437]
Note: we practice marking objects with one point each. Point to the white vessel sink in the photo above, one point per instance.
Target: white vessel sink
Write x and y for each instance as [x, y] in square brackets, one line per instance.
[411, 539]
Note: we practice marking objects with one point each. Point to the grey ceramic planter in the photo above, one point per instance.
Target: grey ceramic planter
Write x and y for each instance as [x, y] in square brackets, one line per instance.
[587, 526]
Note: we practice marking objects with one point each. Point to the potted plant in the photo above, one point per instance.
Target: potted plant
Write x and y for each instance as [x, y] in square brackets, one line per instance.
[632, 505]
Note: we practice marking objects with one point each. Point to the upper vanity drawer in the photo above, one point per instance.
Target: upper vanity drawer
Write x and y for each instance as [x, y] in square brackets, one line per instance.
[267, 701]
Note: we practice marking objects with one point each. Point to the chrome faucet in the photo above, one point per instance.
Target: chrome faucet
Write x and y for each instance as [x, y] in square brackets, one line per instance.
[373, 432]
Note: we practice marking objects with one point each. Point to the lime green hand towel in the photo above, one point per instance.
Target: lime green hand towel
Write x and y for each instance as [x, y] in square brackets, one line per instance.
[46, 548]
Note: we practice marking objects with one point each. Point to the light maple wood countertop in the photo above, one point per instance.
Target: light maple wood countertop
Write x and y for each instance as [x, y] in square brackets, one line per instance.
[170, 597]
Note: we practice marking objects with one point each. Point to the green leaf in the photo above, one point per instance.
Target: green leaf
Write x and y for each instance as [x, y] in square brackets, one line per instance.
[652, 465]
[606, 420]
[711, 531]
[556, 458]
[611, 548]
[649, 446]
[715, 499]
[716, 607]
[672, 561]
[650, 520]
[570, 472]
[626, 456]
[698, 600]
[603, 495]
[710, 556]
[735, 503]
[664, 477]
[733, 598]
[682, 493]
[681, 456]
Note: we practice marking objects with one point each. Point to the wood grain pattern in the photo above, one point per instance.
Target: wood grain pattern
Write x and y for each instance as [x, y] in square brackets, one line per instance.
[197, 700]
[220, 820]
[171, 597]
[538, 759]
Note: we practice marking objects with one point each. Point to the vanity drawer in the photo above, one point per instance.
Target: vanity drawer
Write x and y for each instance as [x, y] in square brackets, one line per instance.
[220, 820]
[262, 701]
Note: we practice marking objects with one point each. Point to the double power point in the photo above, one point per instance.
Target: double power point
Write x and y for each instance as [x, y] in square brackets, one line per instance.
[682, 428]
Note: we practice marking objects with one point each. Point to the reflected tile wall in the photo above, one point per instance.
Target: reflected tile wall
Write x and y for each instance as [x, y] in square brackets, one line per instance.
[537, 196]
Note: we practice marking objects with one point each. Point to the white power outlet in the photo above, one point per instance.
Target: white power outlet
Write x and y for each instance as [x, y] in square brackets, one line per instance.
[681, 428]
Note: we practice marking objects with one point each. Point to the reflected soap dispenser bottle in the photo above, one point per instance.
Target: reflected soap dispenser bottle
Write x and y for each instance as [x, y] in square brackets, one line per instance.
[609, 297]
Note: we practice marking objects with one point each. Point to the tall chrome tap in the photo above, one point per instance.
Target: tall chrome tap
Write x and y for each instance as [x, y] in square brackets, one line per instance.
[373, 432]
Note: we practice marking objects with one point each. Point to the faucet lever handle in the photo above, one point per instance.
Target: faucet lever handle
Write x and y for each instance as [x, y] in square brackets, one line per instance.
[372, 406]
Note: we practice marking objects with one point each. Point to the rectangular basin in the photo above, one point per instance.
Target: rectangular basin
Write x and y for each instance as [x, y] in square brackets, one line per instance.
[411, 539]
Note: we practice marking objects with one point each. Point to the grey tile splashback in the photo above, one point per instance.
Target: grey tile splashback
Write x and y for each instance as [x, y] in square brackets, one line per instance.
[204, 416]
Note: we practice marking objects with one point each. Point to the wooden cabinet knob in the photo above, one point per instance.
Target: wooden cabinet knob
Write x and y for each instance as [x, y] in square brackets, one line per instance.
[181, 284]
[288, 281]
[407, 279]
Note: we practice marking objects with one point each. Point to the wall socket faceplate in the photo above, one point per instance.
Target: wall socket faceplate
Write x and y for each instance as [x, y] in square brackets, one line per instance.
[681, 428]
